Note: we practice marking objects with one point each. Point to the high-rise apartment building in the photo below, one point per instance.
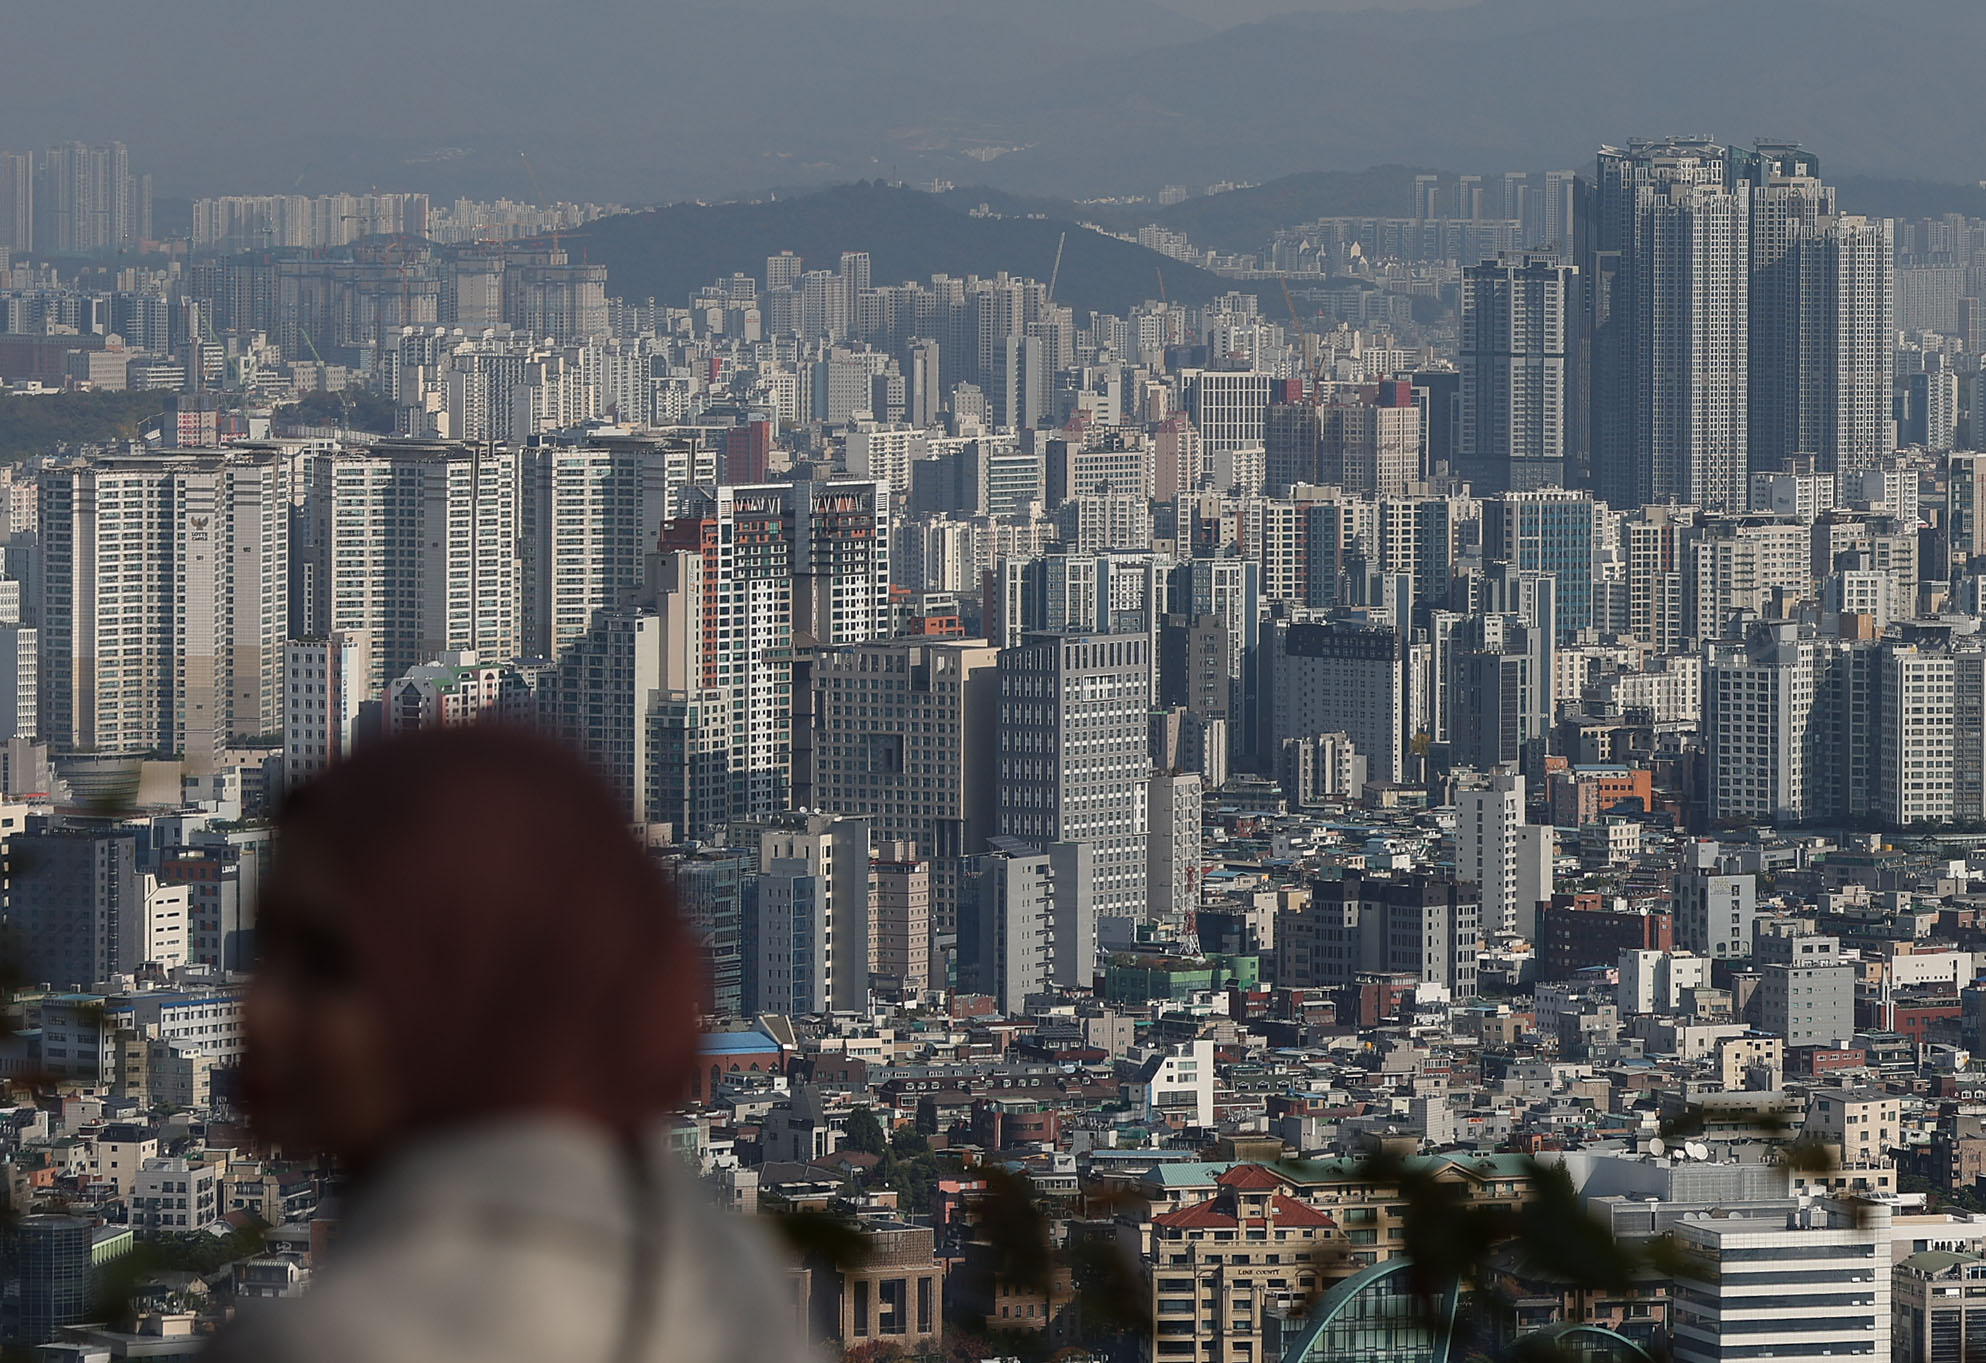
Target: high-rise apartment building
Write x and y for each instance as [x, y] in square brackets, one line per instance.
[588, 521]
[1670, 321]
[324, 694]
[76, 904]
[1227, 407]
[767, 569]
[1517, 319]
[17, 201]
[1919, 779]
[87, 201]
[1738, 322]
[1508, 859]
[1760, 701]
[1822, 290]
[1856, 268]
[415, 545]
[1789, 203]
[163, 603]
[20, 665]
[608, 699]
[1965, 510]
[1074, 756]
[806, 936]
[1657, 542]
[1370, 441]
[903, 732]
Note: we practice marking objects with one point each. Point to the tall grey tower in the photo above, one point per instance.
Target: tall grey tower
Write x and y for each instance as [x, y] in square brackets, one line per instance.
[1821, 313]
[1789, 203]
[1856, 266]
[1670, 295]
[1074, 754]
[1516, 315]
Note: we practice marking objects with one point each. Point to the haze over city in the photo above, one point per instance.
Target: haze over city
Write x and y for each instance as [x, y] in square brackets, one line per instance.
[1114, 681]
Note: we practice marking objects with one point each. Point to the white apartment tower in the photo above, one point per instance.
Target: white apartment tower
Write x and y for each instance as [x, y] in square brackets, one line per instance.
[1761, 726]
[776, 566]
[20, 667]
[1509, 860]
[324, 688]
[163, 603]
[1922, 763]
[588, 519]
[1227, 408]
[415, 545]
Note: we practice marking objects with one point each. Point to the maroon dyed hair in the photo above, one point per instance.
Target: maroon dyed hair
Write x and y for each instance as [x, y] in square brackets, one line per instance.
[516, 937]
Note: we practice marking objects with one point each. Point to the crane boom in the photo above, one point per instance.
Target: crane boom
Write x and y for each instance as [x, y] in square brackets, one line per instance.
[1056, 273]
[1302, 341]
[538, 192]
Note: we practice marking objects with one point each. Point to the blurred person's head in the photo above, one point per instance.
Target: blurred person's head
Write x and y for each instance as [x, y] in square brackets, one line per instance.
[460, 926]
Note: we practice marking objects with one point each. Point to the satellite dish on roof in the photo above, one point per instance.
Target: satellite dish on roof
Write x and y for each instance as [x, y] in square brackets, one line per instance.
[1657, 1146]
[1696, 1150]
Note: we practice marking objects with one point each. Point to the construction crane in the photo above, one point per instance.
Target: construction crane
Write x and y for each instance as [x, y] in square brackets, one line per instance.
[1302, 341]
[1313, 372]
[344, 399]
[1056, 273]
[539, 193]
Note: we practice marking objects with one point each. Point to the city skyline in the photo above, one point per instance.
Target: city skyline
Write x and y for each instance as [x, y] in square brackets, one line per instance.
[1307, 743]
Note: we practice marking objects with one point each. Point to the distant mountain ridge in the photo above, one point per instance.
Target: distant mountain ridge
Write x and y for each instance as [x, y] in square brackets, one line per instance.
[669, 253]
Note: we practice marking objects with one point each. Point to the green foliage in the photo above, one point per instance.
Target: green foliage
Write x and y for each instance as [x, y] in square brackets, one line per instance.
[119, 1281]
[368, 410]
[199, 1252]
[909, 1142]
[38, 424]
[864, 1133]
[915, 1179]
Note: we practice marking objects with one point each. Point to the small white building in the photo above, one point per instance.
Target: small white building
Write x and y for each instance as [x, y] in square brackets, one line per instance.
[1177, 1082]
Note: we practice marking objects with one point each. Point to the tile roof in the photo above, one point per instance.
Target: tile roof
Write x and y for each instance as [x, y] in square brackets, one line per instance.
[1201, 1216]
[1292, 1212]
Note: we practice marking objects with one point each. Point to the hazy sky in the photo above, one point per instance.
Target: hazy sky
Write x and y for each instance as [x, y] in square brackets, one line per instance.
[661, 100]
[1227, 13]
